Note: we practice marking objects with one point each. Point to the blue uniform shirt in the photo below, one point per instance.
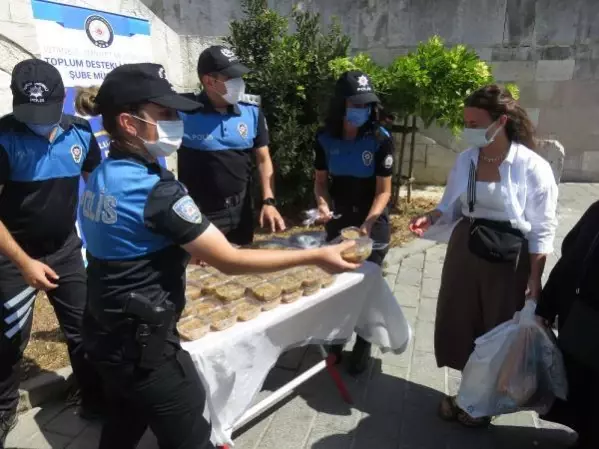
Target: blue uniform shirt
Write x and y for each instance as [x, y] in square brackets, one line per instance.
[38, 203]
[354, 165]
[135, 217]
[214, 161]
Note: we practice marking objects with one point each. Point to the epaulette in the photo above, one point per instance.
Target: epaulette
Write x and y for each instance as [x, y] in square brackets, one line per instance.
[68, 120]
[381, 134]
[254, 100]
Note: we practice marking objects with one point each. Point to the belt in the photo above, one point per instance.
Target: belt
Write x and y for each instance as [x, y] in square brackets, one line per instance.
[216, 204]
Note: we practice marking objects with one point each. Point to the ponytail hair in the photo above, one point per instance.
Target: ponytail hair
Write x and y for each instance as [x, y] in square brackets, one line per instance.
[85, 104]
[498, 101]
[85, 101]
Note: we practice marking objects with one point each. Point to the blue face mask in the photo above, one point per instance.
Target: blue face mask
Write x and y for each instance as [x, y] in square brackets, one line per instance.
[42, 130]
[357, 116]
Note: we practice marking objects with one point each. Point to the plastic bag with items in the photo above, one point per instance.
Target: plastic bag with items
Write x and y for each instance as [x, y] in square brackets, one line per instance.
[514, 367]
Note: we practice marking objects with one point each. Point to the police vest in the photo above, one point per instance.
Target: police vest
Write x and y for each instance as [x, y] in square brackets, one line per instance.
[221, 132]
[112, 211]
[41, 178]
[353, 158]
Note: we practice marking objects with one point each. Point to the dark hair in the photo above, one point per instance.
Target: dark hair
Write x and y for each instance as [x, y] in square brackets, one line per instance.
[498, 101]
[336, 117]
[85, 104]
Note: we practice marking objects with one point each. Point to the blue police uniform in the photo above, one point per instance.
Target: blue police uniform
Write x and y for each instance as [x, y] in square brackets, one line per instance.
[38, 205]
[215, 163]
[353, 166]
[135, 217]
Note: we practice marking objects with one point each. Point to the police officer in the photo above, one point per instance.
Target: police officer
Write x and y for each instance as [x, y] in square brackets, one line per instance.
[141, 226]
[215, 159]
[42, 156]
[354, 159]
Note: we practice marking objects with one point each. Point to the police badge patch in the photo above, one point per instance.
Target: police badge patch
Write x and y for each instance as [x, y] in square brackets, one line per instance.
[186, 208]
[388, 162]
[367, 158]
[77, 153]
[243, 130]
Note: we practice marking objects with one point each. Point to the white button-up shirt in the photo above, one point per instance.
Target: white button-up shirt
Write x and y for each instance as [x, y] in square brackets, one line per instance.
[528, 188]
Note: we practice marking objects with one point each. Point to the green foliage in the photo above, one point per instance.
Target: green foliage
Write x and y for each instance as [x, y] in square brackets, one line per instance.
[290, 71]
[431, 82]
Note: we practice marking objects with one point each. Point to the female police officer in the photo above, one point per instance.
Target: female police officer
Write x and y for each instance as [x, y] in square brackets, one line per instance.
[357, 155]
[141, 227]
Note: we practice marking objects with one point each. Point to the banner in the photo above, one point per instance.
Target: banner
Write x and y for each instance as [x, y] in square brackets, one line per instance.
[84, 45]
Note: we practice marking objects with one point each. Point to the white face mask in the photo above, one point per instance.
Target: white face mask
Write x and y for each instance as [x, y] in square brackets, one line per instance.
[477, 137]
[235, 90]
[170, 136]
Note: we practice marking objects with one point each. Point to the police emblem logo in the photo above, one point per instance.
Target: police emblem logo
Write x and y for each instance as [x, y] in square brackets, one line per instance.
[363, 81]
[228, 53]
[243, 130]
[35, 91]
[187, 210]
[162, 73]
[367, 158]
[99, 31]
[77, 153]
[388, 162]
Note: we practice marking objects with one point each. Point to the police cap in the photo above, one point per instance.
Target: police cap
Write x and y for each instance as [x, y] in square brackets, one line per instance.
[219, 59]
[140, 83]
[356, 87]
[37, 92]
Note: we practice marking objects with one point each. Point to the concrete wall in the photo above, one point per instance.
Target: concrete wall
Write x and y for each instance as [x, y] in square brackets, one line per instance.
[549, 47]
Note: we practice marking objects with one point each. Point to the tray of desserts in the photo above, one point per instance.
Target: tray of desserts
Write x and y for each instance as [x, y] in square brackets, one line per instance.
[215, 301]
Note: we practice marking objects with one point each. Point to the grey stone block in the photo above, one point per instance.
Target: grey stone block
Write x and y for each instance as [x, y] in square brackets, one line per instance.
[385, 392]
[586, 69]
[67, 423]
[44, 388]
[519, 22]
[549, 29]
[415, 261]
[430, 288]
[555, 70]
[424, 340]
[292, 424]
[427, 310]
[328, 438]
[409, 276]
[519, 71]
[407, 295]
[249, 436]
[39, 440]
[379, 431]
[89, 438]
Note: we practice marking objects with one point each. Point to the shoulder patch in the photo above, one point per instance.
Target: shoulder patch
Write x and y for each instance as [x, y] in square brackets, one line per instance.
[384, 133]
[187, 210]
[254, 100]
[388, 162]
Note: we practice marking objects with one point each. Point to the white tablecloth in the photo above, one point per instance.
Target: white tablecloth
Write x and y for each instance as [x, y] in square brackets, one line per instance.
[234, 363]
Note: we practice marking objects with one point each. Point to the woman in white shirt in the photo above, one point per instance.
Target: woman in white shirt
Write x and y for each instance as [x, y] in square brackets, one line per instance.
[500, 202]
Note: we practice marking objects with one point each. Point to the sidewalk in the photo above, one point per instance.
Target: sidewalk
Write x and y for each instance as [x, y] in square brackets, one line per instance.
[396, 399]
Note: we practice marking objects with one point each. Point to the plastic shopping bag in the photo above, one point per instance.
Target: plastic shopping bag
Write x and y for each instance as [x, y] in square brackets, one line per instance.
[516, 366]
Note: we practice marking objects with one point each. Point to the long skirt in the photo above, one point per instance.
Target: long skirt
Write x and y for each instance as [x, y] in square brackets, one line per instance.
[475, 296]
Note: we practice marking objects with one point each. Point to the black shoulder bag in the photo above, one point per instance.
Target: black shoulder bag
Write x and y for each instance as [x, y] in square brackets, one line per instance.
[494, 241]
[579, 336]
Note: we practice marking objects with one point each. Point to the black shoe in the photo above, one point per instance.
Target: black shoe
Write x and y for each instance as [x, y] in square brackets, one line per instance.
[360, 357]
[8, 421]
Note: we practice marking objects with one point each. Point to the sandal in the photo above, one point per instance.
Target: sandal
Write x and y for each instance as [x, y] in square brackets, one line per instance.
[468, 421]
[448, 409]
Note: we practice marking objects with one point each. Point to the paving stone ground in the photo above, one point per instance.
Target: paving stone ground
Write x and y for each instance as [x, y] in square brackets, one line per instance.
[395, 401]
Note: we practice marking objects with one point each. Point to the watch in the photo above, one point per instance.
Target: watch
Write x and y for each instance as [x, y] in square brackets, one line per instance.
[269, 202]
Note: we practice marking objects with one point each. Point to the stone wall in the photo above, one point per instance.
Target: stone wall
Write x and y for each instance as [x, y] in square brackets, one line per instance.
[549, 47]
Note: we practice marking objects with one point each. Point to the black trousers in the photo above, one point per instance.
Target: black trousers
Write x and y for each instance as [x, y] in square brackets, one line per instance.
[236, 222]
[170, 400]
[16, 317]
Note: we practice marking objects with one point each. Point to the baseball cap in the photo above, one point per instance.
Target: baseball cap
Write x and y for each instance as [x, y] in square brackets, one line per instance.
[140, 83]
[357, 87]
[219, 59]
[37, 92]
